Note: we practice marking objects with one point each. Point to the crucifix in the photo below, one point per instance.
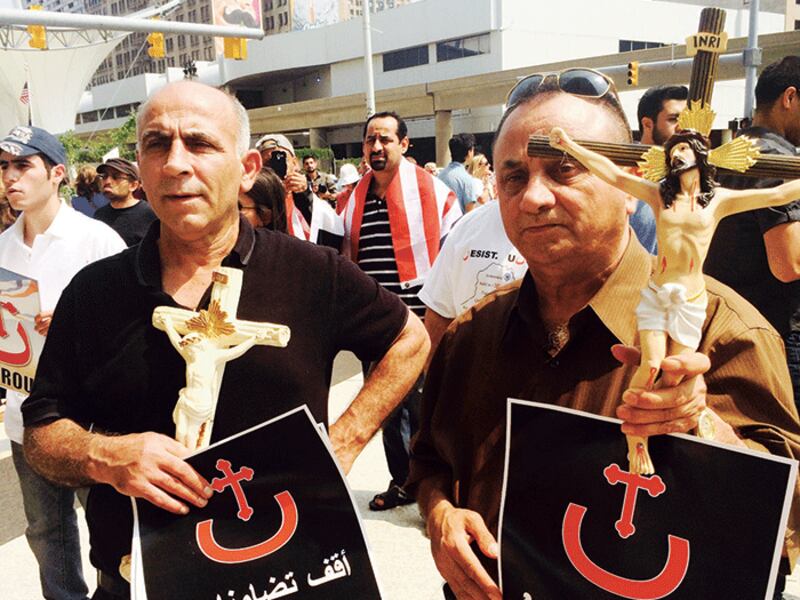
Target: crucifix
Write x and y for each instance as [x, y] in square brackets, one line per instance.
[207, 339]
[677, 182]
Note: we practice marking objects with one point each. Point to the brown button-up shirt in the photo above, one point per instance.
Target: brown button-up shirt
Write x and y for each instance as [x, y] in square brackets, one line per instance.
[496, 350]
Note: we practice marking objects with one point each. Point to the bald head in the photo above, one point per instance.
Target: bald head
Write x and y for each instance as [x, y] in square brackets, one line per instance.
[191, 92]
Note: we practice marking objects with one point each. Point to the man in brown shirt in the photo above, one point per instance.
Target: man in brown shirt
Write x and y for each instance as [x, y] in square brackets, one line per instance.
[546, 339]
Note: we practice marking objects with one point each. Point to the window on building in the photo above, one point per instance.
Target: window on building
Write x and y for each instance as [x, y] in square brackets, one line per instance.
[192, 16]
[462, 47]
[405, 58]
[169, 44]
[181, 42]
[628, 45]
[205, 14]
[208, 53]
[796, 24]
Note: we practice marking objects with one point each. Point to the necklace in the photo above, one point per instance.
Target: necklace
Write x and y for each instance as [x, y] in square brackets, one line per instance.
[557, 338]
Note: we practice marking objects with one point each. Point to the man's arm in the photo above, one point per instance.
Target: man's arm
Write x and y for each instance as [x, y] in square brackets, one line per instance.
[782, 243]
[435, 325]
[383, 390]
[144, 465]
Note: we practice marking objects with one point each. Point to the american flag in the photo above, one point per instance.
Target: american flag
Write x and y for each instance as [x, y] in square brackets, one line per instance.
[25, 95]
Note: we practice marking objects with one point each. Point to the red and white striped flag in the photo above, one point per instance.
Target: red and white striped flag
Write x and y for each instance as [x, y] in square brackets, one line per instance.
[422, 209]
[25, 95]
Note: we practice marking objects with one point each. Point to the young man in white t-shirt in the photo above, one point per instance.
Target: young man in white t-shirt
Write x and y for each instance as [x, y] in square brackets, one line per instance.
[50, 242]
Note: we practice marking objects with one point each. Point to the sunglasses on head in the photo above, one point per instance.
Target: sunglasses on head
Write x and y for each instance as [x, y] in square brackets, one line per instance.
[576, 81]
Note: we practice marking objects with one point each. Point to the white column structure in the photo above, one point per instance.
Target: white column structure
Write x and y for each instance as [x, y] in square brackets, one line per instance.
[77, 44]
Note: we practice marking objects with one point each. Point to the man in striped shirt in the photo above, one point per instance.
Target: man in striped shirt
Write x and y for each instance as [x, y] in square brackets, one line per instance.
[395, 220]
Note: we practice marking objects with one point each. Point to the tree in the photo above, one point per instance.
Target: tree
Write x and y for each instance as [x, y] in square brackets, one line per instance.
[93, 149]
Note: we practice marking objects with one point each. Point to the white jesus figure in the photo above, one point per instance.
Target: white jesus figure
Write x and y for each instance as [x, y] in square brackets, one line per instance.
[204, 356]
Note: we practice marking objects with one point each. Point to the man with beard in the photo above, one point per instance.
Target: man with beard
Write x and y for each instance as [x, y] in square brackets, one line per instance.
[322, 184]
[124, 213]
[658, 112]
[395, 220]
[672, 309]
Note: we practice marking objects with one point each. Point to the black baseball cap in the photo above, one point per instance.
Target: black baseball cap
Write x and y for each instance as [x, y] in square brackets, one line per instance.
[25, 140]
[121, 165]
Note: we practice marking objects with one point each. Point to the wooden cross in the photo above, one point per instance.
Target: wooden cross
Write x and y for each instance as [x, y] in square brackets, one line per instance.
[207, 339]
[705, 47]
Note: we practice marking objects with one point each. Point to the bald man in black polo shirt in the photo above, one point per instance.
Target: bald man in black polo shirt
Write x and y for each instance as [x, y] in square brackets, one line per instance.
[106, 370]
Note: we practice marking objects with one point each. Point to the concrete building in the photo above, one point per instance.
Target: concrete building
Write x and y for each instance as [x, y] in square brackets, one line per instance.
[282, 16]
[311, 83]
[131, 59]
[792, 15]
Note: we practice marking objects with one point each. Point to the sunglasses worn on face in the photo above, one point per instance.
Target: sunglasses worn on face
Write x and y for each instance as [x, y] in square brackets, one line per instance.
[114, 176]
[576, 81]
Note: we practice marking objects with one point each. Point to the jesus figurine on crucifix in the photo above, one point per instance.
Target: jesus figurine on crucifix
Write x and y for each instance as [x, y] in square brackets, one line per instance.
[204, 356]
[688, 205]
[206, 340]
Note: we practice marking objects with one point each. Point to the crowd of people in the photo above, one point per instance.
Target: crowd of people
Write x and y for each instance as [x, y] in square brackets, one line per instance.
[456, 288]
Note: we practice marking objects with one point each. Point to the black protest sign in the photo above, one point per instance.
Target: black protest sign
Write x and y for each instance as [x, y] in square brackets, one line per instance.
[281, 523]
[576, 524]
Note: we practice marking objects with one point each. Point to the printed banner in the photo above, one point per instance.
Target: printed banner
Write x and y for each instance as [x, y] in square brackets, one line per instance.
[244, 13]
[282, 522]
[576, 524]
[308, 14]
[20, 345]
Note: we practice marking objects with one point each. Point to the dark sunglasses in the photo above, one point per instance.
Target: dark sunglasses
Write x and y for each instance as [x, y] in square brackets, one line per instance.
[576, 81]
[115, 176]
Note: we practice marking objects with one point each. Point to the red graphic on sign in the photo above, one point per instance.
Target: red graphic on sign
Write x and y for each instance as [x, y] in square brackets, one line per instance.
[14, 359]
[677, 563]
[232, 480]
[653, 485]
[204, 530]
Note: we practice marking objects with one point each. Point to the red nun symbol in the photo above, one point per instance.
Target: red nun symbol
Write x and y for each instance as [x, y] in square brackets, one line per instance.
[205, 536]
[14, 359]
[677, 563]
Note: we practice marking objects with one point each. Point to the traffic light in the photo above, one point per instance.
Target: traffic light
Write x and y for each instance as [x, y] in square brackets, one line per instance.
[235, 48]
[37, 32]
[633, 72]
[156, 41]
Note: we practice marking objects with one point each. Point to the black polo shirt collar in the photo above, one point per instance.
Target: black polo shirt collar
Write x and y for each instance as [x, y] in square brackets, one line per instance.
[147, 261]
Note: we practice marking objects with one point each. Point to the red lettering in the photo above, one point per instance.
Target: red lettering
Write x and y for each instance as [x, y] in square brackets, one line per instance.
[212, 550]
[663, 584]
